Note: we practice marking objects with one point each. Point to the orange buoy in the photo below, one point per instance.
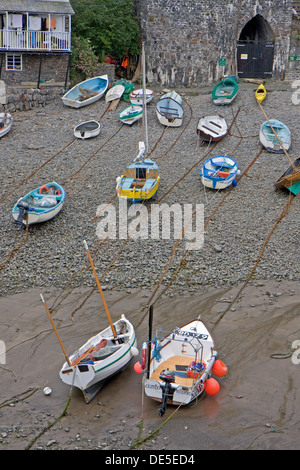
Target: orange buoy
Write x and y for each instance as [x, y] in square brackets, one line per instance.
[219, 368]
[138, 368]
[212, 386]
[43, 189]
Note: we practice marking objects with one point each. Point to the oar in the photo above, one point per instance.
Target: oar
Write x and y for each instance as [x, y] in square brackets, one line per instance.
[54, 327]
[100, 290]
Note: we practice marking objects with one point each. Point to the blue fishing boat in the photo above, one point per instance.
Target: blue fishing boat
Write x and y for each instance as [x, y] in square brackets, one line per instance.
[86, 92]
[40, 205]
[275, 136]
[219, 172]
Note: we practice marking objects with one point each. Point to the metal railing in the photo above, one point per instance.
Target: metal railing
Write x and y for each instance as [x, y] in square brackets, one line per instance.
[20, 40]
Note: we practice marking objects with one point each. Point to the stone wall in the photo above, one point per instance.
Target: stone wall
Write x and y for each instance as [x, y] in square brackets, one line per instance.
[184, 39]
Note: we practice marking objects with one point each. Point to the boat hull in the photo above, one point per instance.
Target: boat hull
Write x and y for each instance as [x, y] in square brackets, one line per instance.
[37, 213]
[6, 121]
[213, 174]
[89, 375]
[136, 96]
[169, 110]
[168, 356]
[131, 114]
[212, 128]
[260, 93]
[291, 178]
[269, 140]
[225, 92]
[75, 97]
[87, 130]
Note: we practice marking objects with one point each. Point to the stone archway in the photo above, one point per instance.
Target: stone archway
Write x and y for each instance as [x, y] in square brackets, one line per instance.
[255, 49]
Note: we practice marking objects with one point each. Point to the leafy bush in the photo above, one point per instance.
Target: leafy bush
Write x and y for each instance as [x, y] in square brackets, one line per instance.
[110, 25]
[83, 59]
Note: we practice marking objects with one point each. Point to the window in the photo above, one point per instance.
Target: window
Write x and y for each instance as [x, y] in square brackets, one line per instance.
[14, 62]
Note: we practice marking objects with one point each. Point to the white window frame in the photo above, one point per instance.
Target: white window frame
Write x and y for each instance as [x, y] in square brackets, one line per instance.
[16, 62]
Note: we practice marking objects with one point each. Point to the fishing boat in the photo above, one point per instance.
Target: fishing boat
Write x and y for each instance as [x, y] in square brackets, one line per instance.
[140, 179]
[136, 96]
[291, 178]
[101, 357]
[131, 114]
[169, 110]
[6, 121]
[87, 129]
[87, 92]
[212, 128]
[40, 205]
[219, 172]
[225, 91]
[178, 365]
[114, 93]
[275, 136]
[260, 93]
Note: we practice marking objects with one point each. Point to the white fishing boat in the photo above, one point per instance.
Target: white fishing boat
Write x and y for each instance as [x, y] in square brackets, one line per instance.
[6, 121]
[101, 357]
[136, 96]
[178, 366]
[87, 129]
[275, 136]
[87, 92]
[212, 128]
[40, 205]
[169, 110]
[114, 93]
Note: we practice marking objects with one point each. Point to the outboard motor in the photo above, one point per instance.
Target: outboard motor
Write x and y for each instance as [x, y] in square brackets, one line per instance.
[168, 377]
[23, 207]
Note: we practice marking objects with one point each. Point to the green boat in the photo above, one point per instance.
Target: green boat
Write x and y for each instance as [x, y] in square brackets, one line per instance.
[291, 178]
[225, 91]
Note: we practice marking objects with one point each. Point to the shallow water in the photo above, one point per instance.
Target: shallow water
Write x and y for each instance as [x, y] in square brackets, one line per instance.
[256, 408]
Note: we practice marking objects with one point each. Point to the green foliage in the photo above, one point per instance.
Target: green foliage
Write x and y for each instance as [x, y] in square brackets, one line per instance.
[83, 59]
[110, 25]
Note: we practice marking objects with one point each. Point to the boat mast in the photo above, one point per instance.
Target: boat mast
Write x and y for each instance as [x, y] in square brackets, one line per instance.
[144, 118]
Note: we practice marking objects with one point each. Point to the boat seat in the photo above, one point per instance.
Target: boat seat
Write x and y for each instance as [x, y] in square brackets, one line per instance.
[148, 183]
[126, 184]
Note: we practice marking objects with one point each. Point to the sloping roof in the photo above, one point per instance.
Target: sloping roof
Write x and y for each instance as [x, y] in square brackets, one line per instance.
[36, 6]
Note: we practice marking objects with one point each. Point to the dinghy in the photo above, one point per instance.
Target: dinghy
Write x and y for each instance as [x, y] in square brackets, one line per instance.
[101, 357]
[219, 172]
[87, 92]
[87, 129]
[114, 93]
[6, 121]
[169, 110]
[225, 91]
[275, 136]
[140, 179]
[212, 128]
[136, 96]
[260, 93]
[131, 114]
[291, 178]
[178, 366]
[40, 205]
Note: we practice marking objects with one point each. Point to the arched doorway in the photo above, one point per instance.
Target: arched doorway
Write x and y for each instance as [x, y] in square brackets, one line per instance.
[255, 49]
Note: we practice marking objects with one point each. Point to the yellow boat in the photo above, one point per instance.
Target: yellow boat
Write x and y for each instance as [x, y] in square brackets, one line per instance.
[260, 93]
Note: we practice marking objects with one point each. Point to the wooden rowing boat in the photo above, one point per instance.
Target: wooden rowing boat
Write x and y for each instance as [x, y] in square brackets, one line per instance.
[87, 92]
[225, 91]
[169, 110]
[291, 178]
[6, 121]
[212, 128]
[275, 136]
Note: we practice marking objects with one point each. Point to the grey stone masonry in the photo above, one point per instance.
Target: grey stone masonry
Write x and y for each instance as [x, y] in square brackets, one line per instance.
[184, 39]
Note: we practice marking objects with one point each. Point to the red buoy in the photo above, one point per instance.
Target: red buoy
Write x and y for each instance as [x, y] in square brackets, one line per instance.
[212, 386]
[138, 367]
[219, 369]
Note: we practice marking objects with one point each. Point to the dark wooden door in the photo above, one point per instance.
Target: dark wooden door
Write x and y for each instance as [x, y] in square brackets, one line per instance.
[255, 59]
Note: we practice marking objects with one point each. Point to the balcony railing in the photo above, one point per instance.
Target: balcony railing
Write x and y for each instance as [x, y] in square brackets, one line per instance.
[19, 40]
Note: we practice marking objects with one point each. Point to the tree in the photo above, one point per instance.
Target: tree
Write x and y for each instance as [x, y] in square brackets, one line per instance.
[109, 25]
